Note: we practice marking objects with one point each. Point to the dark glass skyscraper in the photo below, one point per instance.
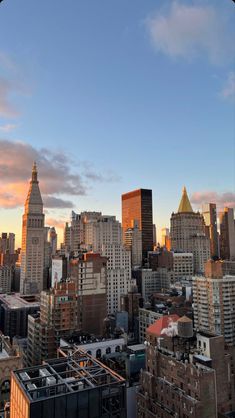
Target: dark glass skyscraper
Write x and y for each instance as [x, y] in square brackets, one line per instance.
[137, 206]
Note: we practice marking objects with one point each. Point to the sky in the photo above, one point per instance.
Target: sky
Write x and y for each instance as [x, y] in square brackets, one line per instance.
[112, 95]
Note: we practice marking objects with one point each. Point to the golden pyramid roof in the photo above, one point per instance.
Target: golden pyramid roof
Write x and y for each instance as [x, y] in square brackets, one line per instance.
[185, 205]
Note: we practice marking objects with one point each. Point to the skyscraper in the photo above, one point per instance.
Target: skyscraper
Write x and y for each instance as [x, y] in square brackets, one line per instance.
[33, 236]
[137, 206]
[214, 301]
[210, 218]
[227, 234]
[53, 240]
[188, 233]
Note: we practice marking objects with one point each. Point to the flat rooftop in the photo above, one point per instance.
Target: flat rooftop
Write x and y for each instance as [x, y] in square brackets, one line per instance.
[17, 301]
[77, 372]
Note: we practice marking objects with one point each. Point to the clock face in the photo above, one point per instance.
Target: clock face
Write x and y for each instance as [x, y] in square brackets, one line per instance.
[35, 240]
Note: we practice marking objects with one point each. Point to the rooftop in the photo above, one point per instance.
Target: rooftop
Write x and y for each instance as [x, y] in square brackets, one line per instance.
[16, 301]
[68, 374]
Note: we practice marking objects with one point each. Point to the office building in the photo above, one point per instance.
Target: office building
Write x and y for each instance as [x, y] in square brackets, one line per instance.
[214, 302]
[89, 273]
[210, 218]
[146, 318]
[188, 233]
[137, 206]
[149, 281]
[33, 239]
[67, 387]
[7, 243]
[165, 237]
[227, 234]
[14, 311]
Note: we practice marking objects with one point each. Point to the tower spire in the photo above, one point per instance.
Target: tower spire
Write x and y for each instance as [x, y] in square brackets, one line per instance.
[185, 205]
[34, 172]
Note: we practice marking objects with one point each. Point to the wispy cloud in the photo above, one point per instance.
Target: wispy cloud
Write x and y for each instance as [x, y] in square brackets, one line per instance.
[187, 31]
[222, 200]
[8, 127]
[57, 223]
[58, 184]
[7, 108]
[228, 91]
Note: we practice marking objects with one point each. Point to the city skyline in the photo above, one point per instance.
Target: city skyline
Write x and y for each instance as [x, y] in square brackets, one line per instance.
[123, 103]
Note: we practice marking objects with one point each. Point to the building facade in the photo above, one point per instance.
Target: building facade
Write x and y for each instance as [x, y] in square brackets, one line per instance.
[210, 218]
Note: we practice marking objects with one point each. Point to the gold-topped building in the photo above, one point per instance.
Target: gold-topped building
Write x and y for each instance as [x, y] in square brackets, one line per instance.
[32, 250]
[188, 233]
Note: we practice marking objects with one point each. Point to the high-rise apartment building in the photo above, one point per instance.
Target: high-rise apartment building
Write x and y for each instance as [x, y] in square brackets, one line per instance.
[33, 239]
[214, 302]
[137, 206]
[210, 218]
[188, 233]
[6, 273]
[227, 234]
[183, 266]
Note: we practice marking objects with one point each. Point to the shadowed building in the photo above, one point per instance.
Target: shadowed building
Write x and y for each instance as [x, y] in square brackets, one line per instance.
[137, 206]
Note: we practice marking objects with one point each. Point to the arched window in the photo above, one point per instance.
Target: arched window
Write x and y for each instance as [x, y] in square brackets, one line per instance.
[118, 349]
[108, 350]
[98, 353]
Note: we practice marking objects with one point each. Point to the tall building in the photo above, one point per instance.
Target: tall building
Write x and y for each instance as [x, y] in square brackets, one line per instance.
[133, 243]
[185, 375]
[214, 301]
[53, 240]
[57, 319]
[183, 266]
[7, 243]
[165, 236]
[210, 218]
[227, 234]
[6, 273]
[188, 233]
[33, 238]
[89, 272]
[137, 206]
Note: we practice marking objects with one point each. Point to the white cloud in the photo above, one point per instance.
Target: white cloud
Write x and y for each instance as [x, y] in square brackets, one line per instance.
[8, 127]
[228, 91]
[190, 30]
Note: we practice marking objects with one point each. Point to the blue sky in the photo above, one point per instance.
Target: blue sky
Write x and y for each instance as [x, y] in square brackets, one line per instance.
[113, 96]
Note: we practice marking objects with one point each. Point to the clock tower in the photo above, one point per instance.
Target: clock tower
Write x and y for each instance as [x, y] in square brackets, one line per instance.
[32, 251]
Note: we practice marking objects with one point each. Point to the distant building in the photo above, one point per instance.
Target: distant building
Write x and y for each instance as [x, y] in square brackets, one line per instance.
[150, 281]
[214, 302]
[165, 236]
[146, 318]
[183, 266]
[6, 275]
[133, 243]
[57, 319]
[7, 243]
[14, 311]
[188, 233]
[33, 239]
[227, 234]
[210, 218]
[137, 205]
[53, 240]
[89, 273]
